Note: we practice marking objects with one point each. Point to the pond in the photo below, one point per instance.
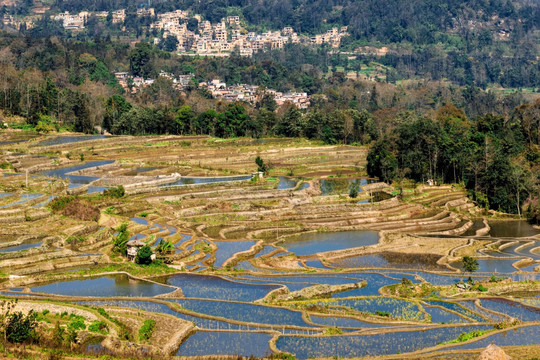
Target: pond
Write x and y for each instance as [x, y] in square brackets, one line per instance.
[336, 186]
[336, 321]
[512, 228]
[104, 286]
[522, 336]
[155, 307]
[477, 225]
[20, 247]
[363, 345]
[391, 260]
[226, 249]
[206, 180]
[309, 244]
[226, 343]
[214, 287]
[514, 309]
[496, 265]
[77, 179]
[439, 315]
[396, 308]
[24, 198]
[69, 139]
[457, 308]
[245, 312]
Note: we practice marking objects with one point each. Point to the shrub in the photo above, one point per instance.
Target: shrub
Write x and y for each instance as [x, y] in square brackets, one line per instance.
[482, 288]
[353, 192]
[81, 210]
[261, 166]
[115, 192]
[165, 247]
[77, 325]
[145, 332]
[120, 240]
[382, 313]
[99, 327]
[144, 255]
[20, 327]
[58, 204]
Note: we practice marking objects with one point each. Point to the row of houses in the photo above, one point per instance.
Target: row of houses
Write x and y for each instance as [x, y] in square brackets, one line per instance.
[132, 84]
[252, 93]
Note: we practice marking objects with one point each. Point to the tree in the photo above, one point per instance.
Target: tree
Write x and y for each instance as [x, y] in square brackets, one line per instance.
[170, 43]
[144, 255]
[139, 59]
[120, 240]
[261, 166]
[470, 265]
[116, 106]
[184, 119]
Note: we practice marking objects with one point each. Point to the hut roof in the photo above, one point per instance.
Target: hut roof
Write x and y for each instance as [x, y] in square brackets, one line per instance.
[135, 243]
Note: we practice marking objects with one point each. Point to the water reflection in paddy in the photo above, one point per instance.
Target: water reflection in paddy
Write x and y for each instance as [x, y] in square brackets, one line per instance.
[106, 286]
[512, 228]
[245, 312]
[390, 260]
[206, 180]
[362, 345]
[226, 343]
[214, 287]
[20, 247]
[69, 139]
[521, 336]
[308, 244]
[226, 249]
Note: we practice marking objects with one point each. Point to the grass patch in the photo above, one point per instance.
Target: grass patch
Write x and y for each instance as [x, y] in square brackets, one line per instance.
[146, 330]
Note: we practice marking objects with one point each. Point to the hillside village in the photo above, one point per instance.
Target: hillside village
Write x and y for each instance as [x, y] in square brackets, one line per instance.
[207, 39]
[219, 89]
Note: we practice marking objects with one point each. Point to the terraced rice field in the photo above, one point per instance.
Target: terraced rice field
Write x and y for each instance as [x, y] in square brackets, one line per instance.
[286, 264]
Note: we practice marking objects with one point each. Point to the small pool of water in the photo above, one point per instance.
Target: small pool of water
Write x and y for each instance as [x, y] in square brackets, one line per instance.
[69, 139]
[390, 260]
[104, 286]
[77, 179]
[477, 225]
[226, 249]
[214, 287]
[512, 228]
[245, 312]
[309, 244]
[24, 198]
[334, 186]
[206, 180]
[516, 310]
[20, 247]
[96, 189]
[363, 345]
[495, 265]
[226, 343]
[522, 336]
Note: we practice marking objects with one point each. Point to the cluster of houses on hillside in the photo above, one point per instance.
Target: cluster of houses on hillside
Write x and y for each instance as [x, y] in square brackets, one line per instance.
[133, 83]
[252, 93]
[219, 89]
[222, 38]
[209, 39]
